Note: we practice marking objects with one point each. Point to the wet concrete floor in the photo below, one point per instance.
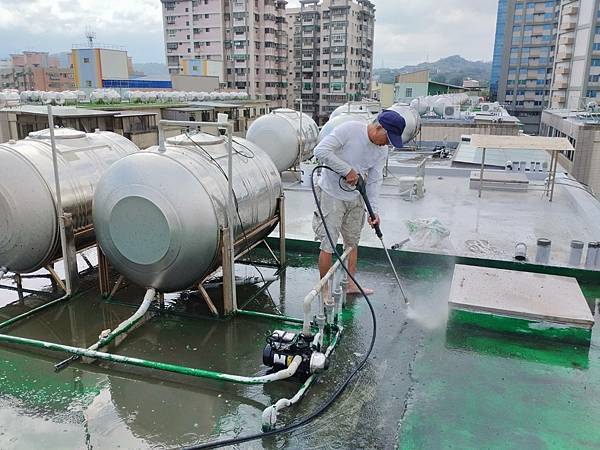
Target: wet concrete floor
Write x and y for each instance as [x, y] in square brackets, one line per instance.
[425, 385]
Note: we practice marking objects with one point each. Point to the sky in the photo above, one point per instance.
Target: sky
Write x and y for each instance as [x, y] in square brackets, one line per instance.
[406, 31]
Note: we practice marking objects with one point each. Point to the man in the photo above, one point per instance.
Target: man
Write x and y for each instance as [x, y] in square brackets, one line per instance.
[352, 148]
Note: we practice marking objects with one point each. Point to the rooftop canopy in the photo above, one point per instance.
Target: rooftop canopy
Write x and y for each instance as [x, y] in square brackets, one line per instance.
[521, 142]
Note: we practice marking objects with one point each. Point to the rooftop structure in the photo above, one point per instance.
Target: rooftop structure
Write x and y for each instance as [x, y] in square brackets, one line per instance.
[137, 126]
[418, 84]
[581, 128]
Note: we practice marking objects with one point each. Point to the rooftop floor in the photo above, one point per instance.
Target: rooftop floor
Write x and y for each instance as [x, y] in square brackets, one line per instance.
[426, 385]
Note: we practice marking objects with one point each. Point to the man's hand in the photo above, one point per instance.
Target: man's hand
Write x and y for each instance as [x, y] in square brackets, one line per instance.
[352, 177]
[374, 222]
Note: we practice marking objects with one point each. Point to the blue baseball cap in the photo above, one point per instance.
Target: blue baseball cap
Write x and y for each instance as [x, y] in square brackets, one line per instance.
[394, 124]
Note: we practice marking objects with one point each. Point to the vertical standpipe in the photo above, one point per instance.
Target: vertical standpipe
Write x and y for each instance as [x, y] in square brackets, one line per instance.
[542, 255]
[592, 253]
[59, 207]
[576, 253]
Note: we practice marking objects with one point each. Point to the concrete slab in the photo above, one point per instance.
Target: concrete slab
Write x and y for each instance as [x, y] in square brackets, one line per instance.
[523, 295]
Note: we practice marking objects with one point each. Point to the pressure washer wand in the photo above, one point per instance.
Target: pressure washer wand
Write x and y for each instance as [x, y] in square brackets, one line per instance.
[361, 187]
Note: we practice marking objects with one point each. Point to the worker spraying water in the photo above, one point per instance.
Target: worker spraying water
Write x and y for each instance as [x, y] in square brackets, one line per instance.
[352, 150]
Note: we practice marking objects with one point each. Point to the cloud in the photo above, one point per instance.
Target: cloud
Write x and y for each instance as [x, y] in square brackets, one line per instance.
[55, 25]
[406, 31]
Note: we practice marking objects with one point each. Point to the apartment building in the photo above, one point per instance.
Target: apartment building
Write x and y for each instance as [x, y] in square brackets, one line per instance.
[330, 54]
[523, 62]
[577, 63]
[36, 71]
[248, 37]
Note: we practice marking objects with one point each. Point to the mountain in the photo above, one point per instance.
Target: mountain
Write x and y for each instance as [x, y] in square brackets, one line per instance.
[453, 69]
[151, 69]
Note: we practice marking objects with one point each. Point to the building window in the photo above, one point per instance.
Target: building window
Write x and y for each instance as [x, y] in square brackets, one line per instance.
[88, 83]
[408, 92]
[591, 94]
[595, 62]
[86, 60]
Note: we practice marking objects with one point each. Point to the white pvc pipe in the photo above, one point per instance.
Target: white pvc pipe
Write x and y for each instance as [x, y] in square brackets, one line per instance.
[126, 324]
[308, 300]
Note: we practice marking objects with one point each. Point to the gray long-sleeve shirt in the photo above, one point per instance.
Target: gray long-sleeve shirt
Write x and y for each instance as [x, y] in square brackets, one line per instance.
[348, 147]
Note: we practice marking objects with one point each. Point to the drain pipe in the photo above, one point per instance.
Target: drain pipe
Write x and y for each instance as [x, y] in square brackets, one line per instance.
[107, 336]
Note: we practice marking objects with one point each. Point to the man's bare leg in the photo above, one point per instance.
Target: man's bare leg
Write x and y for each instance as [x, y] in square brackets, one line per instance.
[352, 259]
[324, 263]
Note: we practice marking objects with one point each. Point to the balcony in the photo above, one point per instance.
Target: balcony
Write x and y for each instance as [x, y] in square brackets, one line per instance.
[570, 10]
[568, 24]
[560, 84]
[566, 39]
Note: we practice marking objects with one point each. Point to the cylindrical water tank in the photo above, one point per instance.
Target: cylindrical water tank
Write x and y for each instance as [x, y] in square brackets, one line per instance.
[367, 107]
[420, 105]
[365, 117]
[440, 105]
[29, 233]
[412, 119]
[157, 237]
[280, 135]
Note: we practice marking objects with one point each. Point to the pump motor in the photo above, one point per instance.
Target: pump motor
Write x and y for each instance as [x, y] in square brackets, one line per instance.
[283, 346]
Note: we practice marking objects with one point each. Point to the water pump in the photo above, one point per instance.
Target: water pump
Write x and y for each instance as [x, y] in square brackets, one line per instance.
[283, 346]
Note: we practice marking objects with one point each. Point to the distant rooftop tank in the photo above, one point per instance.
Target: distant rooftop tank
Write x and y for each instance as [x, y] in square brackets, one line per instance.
[360, 116]
[351, 107]
[440, 105]
[412, 119]
[157, 237]
[280, 135]
[29, 232]
[421, 105]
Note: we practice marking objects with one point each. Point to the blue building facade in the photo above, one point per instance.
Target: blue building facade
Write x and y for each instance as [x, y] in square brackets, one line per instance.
[498, 48]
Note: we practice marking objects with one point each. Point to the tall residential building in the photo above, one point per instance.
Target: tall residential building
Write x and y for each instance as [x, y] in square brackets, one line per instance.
[524, 58]
[331, 54]
[248, 38]
[577, 62]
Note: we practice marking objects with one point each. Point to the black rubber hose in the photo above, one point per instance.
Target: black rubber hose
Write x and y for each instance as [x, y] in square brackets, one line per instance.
[295, 425]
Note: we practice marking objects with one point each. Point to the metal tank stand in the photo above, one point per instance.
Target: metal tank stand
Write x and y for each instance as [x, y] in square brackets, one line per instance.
[240, 249]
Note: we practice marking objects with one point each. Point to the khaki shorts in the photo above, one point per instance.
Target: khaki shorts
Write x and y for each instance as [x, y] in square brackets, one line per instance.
[342, 217]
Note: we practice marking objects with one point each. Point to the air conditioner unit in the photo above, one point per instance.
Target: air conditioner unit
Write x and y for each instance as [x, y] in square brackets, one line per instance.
[452, 112]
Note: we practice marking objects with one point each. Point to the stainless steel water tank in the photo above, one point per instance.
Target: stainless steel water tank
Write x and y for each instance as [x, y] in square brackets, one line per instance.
[360, 116]
[280, 135]
[158, 214]
[29, 233]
